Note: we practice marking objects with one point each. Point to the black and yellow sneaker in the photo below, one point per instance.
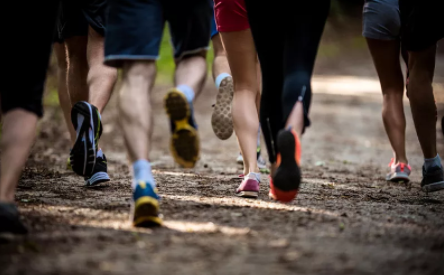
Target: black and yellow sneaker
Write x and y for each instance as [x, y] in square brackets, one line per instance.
[184, 144]
[145, 206]
[100, 173]
[87, 123]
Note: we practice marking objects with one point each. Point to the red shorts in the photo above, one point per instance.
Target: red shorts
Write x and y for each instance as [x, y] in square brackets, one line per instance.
[231, 15]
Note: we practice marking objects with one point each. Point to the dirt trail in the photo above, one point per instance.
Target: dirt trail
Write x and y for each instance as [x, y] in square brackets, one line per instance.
[346, 220]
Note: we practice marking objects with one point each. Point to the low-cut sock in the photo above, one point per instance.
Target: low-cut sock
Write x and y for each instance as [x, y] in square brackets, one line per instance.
[219, 79]
[142, 172]
[433, 162]
[187, 91]
[256, 176]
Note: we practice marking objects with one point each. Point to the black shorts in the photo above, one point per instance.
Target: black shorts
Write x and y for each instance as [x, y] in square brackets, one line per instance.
[76, 15]
[23, 88]
[135, 28]
[422, 23]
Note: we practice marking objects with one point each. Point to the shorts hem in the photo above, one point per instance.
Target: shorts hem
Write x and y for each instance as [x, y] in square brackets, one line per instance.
[116, 60]
[379, 37]
[190, 52]
[232, 28]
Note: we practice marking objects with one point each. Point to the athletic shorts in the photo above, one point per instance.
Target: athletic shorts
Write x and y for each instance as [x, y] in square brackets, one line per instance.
[422, 23]
[381, 19]
[23, 89]
[135, 28]
[75, 16]
[231, 15]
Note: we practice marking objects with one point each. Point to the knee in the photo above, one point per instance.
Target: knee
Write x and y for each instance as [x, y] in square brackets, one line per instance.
[138, 72]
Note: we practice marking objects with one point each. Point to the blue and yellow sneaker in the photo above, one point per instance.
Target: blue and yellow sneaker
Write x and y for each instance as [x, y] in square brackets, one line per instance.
[184, 144]
[145, 207]
[87, 122]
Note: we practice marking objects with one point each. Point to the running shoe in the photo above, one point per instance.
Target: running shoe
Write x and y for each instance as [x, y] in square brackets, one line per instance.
[100, 173]
[68, 164]
[249, 187]
[262, 165]
[240, 159]
[399, 172]
[221, 120]
[184, 144]
[284, 185]
[87, 122]
[432, 179]
[145, 206]
[10, 219]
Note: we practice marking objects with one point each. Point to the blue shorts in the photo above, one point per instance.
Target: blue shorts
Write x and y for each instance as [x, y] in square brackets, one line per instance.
[381, 19]
[213, 20]
[135, 28]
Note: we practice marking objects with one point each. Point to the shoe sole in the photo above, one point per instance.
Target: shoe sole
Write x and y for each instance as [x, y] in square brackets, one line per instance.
[433, 187]
[398, 177]
[146, 213]
[184, 143]
[85, 151]
[221, 119]
[248, 194]
[287, 178]
[96, 179]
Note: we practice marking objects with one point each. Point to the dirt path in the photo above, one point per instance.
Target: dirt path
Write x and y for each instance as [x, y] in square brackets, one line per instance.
[346, 220]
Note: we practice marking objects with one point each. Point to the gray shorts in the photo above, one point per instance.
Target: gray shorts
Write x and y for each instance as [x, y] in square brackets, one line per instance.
[381, 19]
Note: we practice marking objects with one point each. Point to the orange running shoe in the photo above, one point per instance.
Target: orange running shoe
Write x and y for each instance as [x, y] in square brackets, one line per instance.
[284, 185]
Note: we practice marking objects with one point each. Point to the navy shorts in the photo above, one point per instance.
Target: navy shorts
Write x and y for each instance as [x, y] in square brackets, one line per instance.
[381, 19]
[135, 28]
[75, 16]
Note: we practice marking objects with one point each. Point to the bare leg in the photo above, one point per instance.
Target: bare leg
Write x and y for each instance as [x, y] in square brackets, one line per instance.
[242, 57]
[220, 62]
[65, 101]
[101, 78]
[135, 107]
[386, 59]
[77, 68]
[192, 71]
[422, 101]
[18, 134]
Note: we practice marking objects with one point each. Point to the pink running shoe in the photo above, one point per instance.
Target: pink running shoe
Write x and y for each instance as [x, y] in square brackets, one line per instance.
[399, 172]
[249, 187]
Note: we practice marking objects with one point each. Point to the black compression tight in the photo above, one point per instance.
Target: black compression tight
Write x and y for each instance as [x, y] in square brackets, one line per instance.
[286, 34]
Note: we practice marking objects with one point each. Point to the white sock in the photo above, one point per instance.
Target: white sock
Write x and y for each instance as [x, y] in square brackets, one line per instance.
[219, 79]
[187, 91]
[434, 162]
[254, 175]
[142, 172]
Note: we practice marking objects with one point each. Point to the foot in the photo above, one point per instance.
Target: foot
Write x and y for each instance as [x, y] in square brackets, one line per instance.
[399, 172]
[221, 120]
[249, 187]
[432, 179]
[10, 219]
[184, 144]
[145, 207]
[87, 122]
[284, 185]
[100, 173]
